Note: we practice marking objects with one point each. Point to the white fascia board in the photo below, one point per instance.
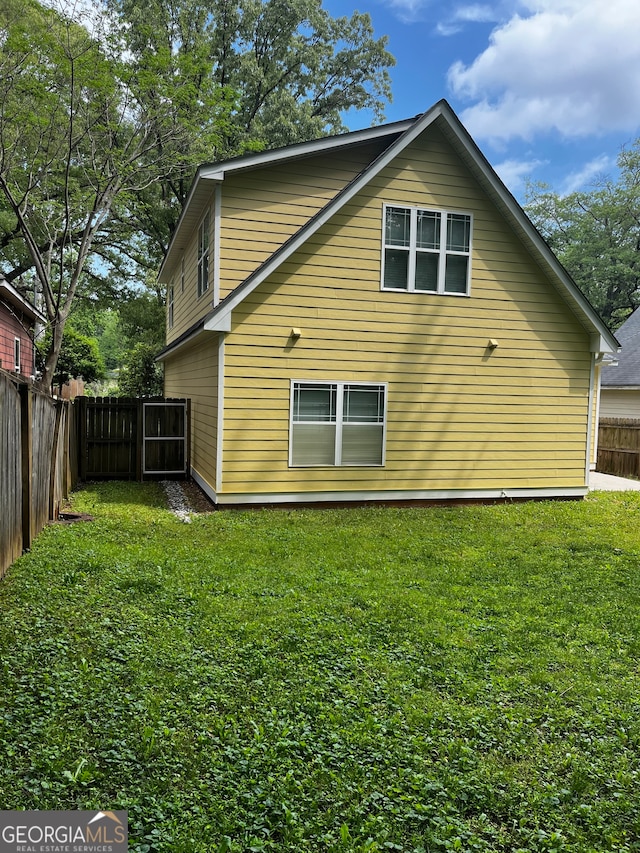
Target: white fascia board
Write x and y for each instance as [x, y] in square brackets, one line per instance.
[218, 171]
[600, 344]
[19, 301]
[195, 187]
[171, 349]
[601, 339]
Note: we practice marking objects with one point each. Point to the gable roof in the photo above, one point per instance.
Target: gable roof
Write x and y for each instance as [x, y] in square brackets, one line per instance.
[627, 372]
[209, 174]
[402, 134]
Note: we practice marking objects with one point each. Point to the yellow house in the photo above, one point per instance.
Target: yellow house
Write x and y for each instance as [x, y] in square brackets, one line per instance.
[372, 317]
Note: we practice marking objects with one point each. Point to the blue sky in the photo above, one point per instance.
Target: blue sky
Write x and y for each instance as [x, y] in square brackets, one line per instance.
[549, 89]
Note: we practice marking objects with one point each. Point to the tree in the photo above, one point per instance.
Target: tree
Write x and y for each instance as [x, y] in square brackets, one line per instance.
[79, 356]
[102, 324]
[290, 69]
[141, 375]
[78, 134]
[103, 121]
[285, 69]
[596, 235]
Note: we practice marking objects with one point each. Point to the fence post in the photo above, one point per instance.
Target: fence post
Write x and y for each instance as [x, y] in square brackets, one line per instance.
[81, 427]
[54, 459]
[66, 464]
[26, 431]
[139, 439]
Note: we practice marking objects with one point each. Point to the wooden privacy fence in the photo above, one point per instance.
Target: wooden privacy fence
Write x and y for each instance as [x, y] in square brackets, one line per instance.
[132, 439]
[36, 468]
[47, 445]
[619, 447]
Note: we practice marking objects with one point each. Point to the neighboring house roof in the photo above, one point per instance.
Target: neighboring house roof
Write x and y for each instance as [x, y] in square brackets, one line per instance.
[627, 372]
[402, 135]
[16, 300]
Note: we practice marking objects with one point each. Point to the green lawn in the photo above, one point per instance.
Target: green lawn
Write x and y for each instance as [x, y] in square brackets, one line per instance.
[372, 679]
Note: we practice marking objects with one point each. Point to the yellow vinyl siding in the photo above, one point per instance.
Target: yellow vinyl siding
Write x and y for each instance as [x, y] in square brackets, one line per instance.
[193, 372]
[459, 416]
[188, 307]
[262, 209]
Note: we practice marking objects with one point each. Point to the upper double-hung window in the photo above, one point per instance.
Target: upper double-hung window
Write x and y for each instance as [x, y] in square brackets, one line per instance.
[203, 254]
[426, 250]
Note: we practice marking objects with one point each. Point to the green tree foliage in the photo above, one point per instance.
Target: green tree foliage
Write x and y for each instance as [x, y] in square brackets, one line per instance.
[80, 141]
[596, 235]
[136, 317]
[79, 356]
[284, 70]
[290, 70]
[140, 375]
[103, 120]
[103, 324]
[142, 319]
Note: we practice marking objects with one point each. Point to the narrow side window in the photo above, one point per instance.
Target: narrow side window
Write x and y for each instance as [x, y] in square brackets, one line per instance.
[170, 306]
[203, 254]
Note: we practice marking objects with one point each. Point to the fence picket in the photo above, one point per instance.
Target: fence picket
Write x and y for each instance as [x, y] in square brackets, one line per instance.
[619, 447]
[34, 472]
[48, 444]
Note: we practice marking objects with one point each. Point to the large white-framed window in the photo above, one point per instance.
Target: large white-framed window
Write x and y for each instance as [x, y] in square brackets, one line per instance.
[16, 355]
[425, 250]
[204, 238]
[170, 303]
[337, 423]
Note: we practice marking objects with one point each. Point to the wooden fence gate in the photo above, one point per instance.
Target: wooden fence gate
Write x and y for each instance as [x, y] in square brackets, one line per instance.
[130, 439]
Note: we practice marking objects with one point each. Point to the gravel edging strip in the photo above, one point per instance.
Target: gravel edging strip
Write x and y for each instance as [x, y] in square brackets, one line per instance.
[177, 500]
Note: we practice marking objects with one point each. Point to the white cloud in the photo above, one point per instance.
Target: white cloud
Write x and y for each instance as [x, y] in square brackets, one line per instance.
[475, 13]
[513, 173]
[592, 170]
[90, 13]
[408, 10]
[566, 65]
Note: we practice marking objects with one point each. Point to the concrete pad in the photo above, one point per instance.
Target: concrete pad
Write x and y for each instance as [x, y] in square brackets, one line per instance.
[609, 483]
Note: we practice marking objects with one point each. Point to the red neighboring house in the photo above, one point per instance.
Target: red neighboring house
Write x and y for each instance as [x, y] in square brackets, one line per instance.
[18, 318]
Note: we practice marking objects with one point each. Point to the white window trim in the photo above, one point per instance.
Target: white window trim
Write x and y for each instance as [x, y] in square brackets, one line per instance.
[215, 271]
[339, 423]
[444, 215]
[201, 291]
[17, 354]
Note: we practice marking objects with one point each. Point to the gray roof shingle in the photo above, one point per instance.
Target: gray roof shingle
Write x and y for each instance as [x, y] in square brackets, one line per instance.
[628, 370]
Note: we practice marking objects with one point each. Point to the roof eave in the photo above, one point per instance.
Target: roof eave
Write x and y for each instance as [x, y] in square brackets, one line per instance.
[10, 294]
[601, 339]
[213, 173]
